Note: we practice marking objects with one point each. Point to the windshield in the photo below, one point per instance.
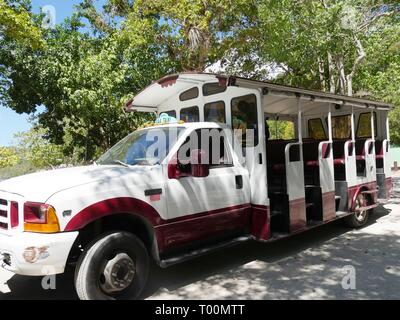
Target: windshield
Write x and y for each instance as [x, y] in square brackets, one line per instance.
[143, 147]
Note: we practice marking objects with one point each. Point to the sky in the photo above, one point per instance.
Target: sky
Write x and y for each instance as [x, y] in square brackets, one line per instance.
[11, 122]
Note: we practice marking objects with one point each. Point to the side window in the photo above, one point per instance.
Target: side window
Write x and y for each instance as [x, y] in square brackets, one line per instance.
[215, 112]
[189, 94]
[364, 125]
[341, 127]
[171, 113]
[212, 88]
[316, 129]
[190, 114]
[213, 142]
[279, 130]
[244, 117]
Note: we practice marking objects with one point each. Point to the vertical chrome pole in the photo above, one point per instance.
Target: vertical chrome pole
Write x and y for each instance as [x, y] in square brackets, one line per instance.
[372, 125]
[299, 129]
[330, 123]
[353, 135]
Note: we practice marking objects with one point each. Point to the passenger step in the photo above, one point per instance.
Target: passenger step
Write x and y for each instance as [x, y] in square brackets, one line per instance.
[202, 251]
[341, 214]
[312, 223]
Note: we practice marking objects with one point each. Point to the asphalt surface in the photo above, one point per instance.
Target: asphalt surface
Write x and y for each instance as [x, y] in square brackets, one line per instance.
[329, 262]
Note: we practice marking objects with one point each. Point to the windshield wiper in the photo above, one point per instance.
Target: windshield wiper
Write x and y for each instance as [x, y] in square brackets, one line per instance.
[121, 163]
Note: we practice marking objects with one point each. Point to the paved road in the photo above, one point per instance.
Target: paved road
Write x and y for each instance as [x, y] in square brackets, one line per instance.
[308, 266]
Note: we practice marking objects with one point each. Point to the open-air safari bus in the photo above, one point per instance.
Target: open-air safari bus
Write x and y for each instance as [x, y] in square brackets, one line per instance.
[336, 164]
[108, 220]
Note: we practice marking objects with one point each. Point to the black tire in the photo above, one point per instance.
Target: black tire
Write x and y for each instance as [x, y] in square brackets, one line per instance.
[116, 251]
[358, 219]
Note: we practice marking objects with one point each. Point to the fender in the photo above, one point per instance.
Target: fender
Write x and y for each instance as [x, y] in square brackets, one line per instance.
[114, 206]
[358, 189]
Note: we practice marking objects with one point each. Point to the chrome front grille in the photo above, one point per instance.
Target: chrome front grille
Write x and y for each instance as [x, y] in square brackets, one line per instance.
[4, 213]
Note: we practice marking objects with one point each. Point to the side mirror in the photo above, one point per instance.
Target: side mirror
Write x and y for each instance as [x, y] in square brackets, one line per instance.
[199, 164]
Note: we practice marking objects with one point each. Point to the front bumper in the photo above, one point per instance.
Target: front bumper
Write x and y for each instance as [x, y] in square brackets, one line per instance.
[36, 254]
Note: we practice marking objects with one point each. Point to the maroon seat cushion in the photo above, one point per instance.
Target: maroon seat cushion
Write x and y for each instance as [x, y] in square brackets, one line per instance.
[278, 167]
[312, 163]
[339, 161]
[360, 157]
[379, 156]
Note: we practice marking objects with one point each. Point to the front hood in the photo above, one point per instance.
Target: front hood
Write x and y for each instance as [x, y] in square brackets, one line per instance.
[40, 186]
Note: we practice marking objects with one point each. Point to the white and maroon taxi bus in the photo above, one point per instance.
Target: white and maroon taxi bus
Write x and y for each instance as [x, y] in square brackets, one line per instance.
[242, 177]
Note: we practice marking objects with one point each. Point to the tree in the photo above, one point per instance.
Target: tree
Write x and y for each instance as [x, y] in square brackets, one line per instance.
[320, 43]
[192, 33]
[16, 23]
[34, 148]
[8, 157]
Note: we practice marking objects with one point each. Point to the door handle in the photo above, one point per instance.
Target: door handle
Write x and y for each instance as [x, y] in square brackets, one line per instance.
[239, 182]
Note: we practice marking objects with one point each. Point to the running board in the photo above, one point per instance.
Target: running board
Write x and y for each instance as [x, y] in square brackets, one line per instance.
[203, 251]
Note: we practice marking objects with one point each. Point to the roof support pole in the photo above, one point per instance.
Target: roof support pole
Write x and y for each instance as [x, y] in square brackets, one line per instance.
[387, 127]
[353, 136]
[299, 120]
[330, 123]
[372, 125]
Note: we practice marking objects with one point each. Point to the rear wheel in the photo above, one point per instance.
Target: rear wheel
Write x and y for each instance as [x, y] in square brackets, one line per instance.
[360, 217]
[115, 266]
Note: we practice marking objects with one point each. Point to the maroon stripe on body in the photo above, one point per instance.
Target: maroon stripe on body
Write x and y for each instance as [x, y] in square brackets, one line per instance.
[297, 214]
[170, 232]
[328, 205]
[260, 222]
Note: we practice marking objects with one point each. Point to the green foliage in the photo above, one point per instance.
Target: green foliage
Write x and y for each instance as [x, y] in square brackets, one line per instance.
[8, 157]
[16, 23]
[34, 148]
[84, 79]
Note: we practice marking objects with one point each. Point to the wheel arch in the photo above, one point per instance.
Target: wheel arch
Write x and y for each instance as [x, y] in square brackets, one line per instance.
[359, 190]
[123, 221]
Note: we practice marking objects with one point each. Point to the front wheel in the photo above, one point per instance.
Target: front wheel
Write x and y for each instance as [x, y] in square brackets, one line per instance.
[360, 217]
[116, 266]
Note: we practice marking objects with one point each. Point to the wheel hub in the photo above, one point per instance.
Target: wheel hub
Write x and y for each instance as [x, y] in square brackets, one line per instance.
[118, 273]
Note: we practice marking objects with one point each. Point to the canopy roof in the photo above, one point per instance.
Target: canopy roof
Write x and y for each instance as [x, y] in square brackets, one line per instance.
[279, 97]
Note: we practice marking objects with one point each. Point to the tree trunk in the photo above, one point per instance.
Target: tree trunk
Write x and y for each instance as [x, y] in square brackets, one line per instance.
[321, 67]
[331, 67]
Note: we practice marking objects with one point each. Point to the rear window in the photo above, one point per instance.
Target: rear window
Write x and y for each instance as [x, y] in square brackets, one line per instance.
[212, 88]
[171, 113]
[364, 125]
[244, 118]
[316, 129]
[279, 129]
[341, 127]
[189, 94]
[215, 112]
[190, 114]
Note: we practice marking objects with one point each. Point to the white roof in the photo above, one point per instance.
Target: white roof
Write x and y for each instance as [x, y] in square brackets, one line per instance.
[161, 90]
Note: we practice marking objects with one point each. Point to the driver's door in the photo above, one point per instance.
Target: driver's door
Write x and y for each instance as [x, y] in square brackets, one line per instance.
[218, 204]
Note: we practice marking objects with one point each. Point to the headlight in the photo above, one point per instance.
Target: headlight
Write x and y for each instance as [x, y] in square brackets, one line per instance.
[40, 217]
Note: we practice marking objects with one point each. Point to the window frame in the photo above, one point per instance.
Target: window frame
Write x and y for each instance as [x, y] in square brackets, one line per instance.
[375, 125]
[204, 110]
[340, 115]
[167, 112]
[194, 97]
[198, 113]
[228, 151]
[322, 126]
[257, 140]
[211, 94]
